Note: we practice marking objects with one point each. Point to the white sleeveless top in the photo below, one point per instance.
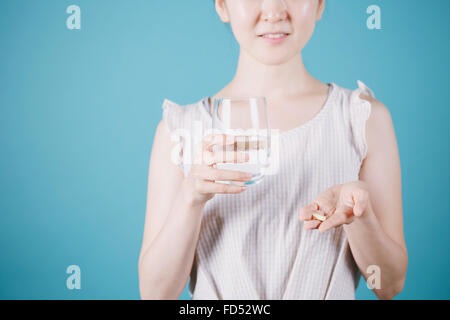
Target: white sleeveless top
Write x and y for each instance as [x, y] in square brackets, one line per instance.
[252, 245]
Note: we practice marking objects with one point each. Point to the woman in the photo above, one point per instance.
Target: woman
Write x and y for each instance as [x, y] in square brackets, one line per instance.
[339, 158]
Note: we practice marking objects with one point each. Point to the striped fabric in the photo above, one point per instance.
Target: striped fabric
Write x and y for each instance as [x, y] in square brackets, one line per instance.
[252, 245]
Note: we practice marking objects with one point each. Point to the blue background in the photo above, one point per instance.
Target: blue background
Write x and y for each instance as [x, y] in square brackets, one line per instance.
[79, 109]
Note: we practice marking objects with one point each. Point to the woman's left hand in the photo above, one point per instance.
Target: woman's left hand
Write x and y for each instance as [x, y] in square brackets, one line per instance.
[341, 204]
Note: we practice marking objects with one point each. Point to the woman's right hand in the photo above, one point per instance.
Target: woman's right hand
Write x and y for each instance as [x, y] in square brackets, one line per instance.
[200, 183]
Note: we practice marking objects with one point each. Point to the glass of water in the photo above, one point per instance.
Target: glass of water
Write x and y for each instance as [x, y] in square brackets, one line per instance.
[247, 120]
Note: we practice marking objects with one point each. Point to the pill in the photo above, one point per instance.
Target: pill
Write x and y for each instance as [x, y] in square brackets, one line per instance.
[319, 217]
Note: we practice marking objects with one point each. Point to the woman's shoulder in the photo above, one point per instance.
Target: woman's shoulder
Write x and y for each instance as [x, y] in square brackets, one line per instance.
[360, 97]
[360, 103]
[364, 113]
[365, 96]
[181, 108]
[179, 115]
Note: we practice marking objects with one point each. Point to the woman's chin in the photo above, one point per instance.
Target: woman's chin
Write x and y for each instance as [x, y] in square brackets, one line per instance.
[273, 59]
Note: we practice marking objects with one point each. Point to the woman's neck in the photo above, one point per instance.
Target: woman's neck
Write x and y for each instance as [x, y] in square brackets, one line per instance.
[253, 78]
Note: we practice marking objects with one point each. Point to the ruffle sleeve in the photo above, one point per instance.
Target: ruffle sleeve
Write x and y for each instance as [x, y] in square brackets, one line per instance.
[173, 116]
[359, 111]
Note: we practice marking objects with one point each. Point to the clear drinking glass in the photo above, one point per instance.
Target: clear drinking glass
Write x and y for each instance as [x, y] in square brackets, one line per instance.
[246, 119]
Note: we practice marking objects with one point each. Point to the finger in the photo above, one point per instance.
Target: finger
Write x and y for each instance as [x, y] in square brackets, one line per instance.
[312, 224]
[204, 186]
[337, 219]
[326, 203]
[307, 211]
[361, 200]
[230, 156]
[212, 158]
[212, 140]
[244, 142]
[214, 174]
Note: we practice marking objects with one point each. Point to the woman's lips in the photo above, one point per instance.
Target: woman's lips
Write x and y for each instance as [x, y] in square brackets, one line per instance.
[275, 40]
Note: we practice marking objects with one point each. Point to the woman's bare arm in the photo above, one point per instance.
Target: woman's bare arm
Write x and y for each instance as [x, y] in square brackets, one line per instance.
[171, 226]
[173, 214]
[377, 237]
